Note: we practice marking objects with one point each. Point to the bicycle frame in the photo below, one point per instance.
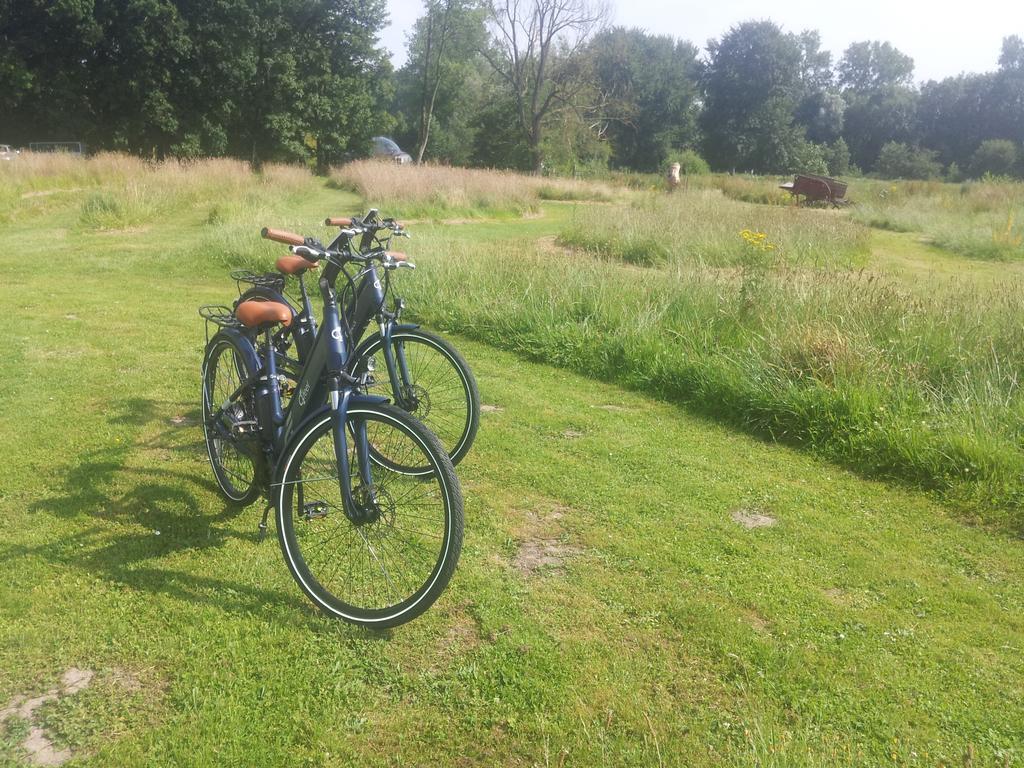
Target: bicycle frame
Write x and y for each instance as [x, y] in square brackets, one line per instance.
[367, 303]
[323, 379]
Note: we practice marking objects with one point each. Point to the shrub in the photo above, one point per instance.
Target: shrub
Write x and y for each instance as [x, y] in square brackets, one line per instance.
[690, 163]
[808, 157]
[837, 157]
[902, 161]
[995, 157]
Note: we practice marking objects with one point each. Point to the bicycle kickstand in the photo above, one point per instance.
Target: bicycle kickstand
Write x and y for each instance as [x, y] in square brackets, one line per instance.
[263, 522]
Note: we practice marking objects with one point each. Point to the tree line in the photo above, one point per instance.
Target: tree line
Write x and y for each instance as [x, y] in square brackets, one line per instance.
[529, 84]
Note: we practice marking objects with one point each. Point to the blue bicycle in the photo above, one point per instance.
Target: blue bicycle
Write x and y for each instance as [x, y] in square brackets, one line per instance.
[368, 508]
[417, 370]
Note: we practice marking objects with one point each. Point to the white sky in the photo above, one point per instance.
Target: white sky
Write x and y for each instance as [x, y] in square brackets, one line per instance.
[944, 38]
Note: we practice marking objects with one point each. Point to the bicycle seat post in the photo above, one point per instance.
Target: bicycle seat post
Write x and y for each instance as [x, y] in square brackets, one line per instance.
[268, 395]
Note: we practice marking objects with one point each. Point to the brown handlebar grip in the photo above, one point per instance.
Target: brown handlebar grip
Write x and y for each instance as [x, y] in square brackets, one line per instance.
[338, 221]
[397, 256]
[283, 236]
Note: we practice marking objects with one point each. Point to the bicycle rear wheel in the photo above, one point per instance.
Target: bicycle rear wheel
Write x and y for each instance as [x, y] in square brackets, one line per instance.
[229, 421]
[440, 391]
[391, 567]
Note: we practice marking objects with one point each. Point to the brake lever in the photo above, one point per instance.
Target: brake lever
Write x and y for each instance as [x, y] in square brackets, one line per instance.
[307, 252]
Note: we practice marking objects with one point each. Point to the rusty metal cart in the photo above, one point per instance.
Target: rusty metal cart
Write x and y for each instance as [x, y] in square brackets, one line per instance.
[817, 189]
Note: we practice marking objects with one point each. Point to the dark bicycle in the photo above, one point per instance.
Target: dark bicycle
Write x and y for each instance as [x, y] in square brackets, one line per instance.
[425, 374]
[368, 507]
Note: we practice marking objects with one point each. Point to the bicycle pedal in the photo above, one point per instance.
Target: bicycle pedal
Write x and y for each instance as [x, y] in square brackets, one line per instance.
[314, 510]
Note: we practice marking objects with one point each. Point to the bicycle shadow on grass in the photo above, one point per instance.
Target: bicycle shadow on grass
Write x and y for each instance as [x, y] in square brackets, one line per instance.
[148, 509]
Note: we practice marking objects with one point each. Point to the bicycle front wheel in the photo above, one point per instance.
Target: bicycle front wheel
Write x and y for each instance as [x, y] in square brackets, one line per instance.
[435, 385]
[391, 564]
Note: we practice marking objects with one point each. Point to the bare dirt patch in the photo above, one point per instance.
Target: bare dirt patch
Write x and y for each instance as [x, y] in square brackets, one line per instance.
[491, 408]
[549, 244]
[543, 541]
[609, 407]
[753, 518]
[541, 553]
[757, 621]
[572, 434]
[182, 421]
[37, 744]
[38, 747]
[463, 633]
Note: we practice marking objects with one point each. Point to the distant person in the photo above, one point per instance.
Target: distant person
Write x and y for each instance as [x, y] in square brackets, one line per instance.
[673, 177]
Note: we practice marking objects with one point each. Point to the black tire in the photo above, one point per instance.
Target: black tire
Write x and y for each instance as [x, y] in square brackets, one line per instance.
[448, 401]
[232, 449]
[379, 573]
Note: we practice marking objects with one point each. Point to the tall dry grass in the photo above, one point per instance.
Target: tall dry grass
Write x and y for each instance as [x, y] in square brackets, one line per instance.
[433, 190]
[119, 191]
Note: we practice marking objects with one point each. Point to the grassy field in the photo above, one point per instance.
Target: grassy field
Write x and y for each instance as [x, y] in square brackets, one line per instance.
[640, 585]
[867, 347]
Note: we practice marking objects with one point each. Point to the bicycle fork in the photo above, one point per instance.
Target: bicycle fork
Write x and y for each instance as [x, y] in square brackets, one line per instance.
[398, 369]
[361, 510]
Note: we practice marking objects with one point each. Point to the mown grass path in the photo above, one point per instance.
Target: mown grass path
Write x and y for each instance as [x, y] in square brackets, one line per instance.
[909, 255]
[610, 608]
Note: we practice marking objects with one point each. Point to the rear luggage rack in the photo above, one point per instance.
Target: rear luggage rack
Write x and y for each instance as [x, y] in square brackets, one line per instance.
[262, 280]
[219, 315]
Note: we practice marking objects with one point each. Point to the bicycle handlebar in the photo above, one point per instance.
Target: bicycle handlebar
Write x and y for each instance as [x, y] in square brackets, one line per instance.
[369, 222]
[282, 236]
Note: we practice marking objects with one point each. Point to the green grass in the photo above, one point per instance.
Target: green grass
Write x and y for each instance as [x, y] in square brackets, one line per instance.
[976, 220]
[868, 626]
[893, 381]
[700, 227]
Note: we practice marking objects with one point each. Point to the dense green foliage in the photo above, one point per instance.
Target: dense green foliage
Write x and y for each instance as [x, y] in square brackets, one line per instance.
[256, 79]
[648, 85]
[536, 85]
[900, 161]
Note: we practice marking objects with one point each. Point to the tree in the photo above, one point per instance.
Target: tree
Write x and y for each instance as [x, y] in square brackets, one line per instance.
[131, 75]
[536, 52]
[752, 83]
[497, 135]
[871, 66]
[1005, 115]
[345, 79]
[901, 161]
[881, 107]
[873, 120]
[260, 79]
[948, 115]
[647, 89]
[1011, 59]
[837, 158]
[433, 83]
[37, 73]
[994, 156]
